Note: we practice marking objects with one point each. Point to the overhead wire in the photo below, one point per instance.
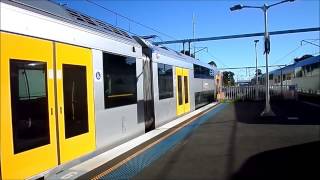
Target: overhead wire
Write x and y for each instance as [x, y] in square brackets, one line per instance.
[217, 59]
[317, 53]
[131, 20]
[294, 50]
[171, 37]
[283, 57]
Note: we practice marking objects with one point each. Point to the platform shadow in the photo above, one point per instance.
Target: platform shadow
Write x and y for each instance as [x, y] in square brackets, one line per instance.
[294, 162]
[288, 112]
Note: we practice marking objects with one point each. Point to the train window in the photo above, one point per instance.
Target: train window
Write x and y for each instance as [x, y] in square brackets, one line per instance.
[29, 104]
[271, 76]
[202, 72]
[197, 71]
[120, 82]
[180, 90]
[165, 81]
[75, 100]
[315, 66]
[203, 98]
[186, 94]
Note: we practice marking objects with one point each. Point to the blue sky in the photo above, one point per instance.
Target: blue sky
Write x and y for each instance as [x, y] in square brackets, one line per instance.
[213, 18]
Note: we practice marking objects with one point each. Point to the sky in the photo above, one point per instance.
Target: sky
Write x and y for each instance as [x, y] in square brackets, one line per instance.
[214, 18]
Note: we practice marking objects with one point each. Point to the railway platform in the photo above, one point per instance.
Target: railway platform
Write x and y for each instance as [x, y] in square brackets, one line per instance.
[224, 141]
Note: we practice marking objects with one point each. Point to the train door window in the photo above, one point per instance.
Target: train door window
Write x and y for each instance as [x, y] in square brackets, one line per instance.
[298, 72]
[165, 81]
[186, 94]
[75, 100]
[180, 90]
[120, 82]
[304, 71]
[308, 67]
[29, 104]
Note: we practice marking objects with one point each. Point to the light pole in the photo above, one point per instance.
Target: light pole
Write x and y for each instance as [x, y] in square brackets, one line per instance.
[257, 82]
[267, 111]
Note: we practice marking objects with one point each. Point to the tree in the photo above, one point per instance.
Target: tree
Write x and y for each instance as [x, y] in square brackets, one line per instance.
[228, 78]
[212, 63]
[259, 72]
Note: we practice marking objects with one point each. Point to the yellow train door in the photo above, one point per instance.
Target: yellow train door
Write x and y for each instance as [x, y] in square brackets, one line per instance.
[75, 101]
[179, 76]
[186, 90]
[28, 142]
[183, 96]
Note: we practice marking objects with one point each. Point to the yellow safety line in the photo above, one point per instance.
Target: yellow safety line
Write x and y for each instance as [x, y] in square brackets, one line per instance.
[119, 95]
[145, 148]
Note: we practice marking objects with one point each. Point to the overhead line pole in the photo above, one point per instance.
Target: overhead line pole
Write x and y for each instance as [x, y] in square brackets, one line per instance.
[193, 35]
[267, 111]
[257, 83]
[238, 36]
[309, 43]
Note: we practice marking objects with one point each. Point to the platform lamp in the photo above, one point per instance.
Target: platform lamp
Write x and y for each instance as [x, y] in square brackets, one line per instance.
[267, 111]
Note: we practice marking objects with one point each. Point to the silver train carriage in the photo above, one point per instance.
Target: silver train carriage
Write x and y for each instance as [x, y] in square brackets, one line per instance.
[73, 86]
[305, 75]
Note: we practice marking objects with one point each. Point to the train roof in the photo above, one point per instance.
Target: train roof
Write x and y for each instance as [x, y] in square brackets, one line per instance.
[61, 12]
[291, 67]
[308, 61]
[285, 70]
[171, 53]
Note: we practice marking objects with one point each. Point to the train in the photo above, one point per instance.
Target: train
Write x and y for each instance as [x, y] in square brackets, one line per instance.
[74, 86]
[303, 76]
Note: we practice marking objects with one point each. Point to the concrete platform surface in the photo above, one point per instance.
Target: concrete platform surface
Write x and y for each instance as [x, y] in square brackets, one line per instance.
[237, 143]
